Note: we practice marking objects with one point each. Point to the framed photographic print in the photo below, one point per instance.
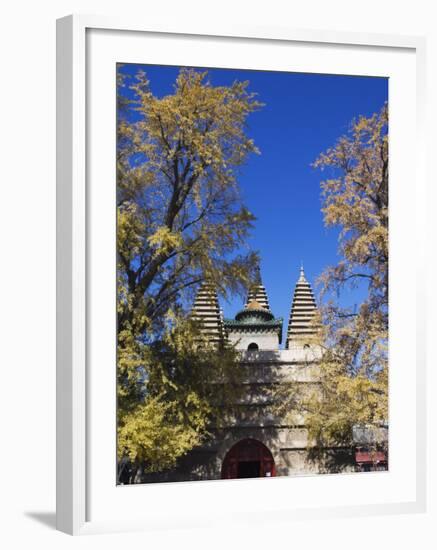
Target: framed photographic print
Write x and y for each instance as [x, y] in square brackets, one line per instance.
[240, 306]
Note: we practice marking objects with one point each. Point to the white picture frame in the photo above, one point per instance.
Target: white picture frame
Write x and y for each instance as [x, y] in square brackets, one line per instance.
[73, 299]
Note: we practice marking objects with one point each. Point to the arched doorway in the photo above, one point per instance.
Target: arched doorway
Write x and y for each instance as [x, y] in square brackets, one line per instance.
[248, 458]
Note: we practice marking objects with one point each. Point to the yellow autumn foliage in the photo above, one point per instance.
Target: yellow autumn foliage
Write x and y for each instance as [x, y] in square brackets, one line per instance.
[351, 388]
[180, 220]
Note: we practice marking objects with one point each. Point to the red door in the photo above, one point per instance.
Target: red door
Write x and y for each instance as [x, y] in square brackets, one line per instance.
[248, 458]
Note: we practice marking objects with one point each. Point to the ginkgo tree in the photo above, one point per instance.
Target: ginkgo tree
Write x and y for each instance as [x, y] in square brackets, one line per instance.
[186, 388]
[352, 376]
[180, 221]
[180, 215]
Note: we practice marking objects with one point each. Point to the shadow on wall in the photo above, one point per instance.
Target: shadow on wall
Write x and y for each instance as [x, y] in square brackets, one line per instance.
[333, 460]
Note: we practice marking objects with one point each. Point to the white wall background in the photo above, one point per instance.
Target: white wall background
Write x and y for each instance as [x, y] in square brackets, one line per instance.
[27, 401]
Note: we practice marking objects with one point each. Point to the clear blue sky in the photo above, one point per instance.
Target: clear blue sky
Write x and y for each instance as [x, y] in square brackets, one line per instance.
[304, 114]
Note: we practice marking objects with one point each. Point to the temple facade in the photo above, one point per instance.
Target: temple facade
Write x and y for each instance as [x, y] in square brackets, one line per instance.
[254, 442]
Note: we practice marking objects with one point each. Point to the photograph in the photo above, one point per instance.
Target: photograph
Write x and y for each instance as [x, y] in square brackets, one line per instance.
[252, 274]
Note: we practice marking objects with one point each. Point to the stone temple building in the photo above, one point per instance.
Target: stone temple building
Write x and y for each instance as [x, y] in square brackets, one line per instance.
[255, 443]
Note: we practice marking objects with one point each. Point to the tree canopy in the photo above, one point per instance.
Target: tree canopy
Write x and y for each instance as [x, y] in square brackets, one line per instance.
[183, 388]
[352, 388]
[180, 216]
[181, 221]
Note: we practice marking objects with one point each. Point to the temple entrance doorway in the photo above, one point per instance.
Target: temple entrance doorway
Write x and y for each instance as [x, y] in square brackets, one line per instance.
[248, 458]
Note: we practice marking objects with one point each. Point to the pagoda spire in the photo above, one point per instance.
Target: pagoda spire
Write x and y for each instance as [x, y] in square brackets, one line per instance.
[257, 292]
[303, 309]
[206, 310]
